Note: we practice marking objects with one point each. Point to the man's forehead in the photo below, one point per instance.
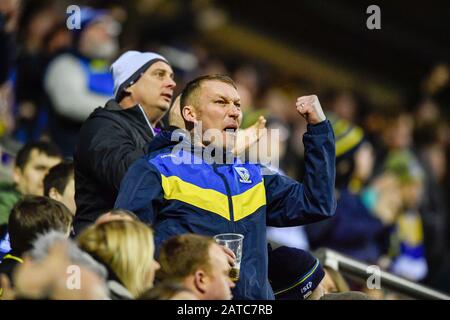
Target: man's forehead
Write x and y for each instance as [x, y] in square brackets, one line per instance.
[216, 89]
[218, 254]
[160, 65]
[41, 157]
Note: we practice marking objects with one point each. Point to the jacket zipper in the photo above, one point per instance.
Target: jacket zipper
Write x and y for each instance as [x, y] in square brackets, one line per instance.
[230, 201]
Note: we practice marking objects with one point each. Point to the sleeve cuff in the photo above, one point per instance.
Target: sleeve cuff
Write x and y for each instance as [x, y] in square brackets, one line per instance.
[320, 128]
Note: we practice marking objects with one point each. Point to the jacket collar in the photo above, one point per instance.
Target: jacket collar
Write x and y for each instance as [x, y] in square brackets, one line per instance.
[135, 113]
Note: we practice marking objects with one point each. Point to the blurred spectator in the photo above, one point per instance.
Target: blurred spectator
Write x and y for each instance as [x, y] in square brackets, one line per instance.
[38, 20]
[32, 164]
[30, 217]
[126, 249]
[46, 271]
[59, 184]
[117, 214]
[344, 105]
[413, 230]
[407, 249]
[9, 14]
[295, 274]
[355, 229]
[197, 263]
[281, 116]
[79, 81]
[115, 136]
[45, 242]
[167, 290]
[430, 137]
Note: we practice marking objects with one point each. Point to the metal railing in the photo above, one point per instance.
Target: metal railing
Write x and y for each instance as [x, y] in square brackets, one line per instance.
[353, 268]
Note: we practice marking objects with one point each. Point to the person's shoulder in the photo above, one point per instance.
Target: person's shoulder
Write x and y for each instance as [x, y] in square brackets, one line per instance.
[61, 67]
[103, 117]
[7, 266]
[63, 60]
[8, 190]
[7, 186]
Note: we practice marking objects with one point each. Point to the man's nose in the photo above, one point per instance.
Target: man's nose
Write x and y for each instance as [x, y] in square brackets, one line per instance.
[171, 83]
[234, 112]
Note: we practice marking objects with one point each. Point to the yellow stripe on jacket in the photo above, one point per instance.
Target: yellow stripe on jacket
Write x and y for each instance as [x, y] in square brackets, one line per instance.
[246, 203]
[211, 200]
[206, 199]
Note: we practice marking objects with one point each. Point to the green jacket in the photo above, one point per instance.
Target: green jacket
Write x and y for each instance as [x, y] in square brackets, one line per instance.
[8, 198]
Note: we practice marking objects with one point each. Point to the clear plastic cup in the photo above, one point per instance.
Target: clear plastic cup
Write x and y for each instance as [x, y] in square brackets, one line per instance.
[234, 242]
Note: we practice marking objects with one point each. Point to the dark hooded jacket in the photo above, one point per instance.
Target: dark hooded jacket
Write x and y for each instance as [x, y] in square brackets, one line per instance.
[111, 139]
[178, 192]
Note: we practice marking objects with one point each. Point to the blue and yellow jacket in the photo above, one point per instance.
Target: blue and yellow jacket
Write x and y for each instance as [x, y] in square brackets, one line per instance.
[209, 199]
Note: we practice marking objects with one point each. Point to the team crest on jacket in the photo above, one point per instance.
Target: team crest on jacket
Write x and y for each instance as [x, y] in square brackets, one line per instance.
[244, 175]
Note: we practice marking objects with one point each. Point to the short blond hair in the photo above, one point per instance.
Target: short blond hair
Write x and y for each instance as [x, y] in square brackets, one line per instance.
[127, 247]
[181, 256]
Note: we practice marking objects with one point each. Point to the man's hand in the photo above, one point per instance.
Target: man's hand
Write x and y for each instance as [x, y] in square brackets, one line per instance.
[231, 257]
[309, 108]
[245, 138]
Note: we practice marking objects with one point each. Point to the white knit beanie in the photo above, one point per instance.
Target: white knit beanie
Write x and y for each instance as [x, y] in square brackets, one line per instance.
[129, 66]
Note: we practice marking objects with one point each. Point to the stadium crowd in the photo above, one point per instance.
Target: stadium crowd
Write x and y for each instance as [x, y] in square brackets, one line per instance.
[91, 199]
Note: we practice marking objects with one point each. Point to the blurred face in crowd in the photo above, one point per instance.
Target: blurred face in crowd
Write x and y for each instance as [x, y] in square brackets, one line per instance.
[99, 40]
[345, 106]
[154, 90]
[217, 282]
[40, 25]
[219, 110]
[30, 179]
[411, 193]
[398, 134]
[364, 160]
[67, 197]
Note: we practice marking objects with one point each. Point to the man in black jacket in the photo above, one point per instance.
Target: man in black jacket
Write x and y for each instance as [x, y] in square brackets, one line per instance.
[114, 136]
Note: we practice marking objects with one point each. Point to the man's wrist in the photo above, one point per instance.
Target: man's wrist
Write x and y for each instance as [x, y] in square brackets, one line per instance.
[319, 128]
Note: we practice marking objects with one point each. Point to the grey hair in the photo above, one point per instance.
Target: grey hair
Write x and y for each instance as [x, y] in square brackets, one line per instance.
[43, 243]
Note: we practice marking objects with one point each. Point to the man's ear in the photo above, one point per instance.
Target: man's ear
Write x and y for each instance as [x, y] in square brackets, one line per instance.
[200, 281]
[54, 194]
[189, 114]
[17, 175]
[128, 90]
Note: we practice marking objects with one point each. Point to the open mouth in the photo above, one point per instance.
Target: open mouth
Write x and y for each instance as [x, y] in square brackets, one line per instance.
[167, 96]
[231, 128]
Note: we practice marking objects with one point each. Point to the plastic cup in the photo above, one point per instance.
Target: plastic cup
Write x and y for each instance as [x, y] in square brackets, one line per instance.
[232, 241]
